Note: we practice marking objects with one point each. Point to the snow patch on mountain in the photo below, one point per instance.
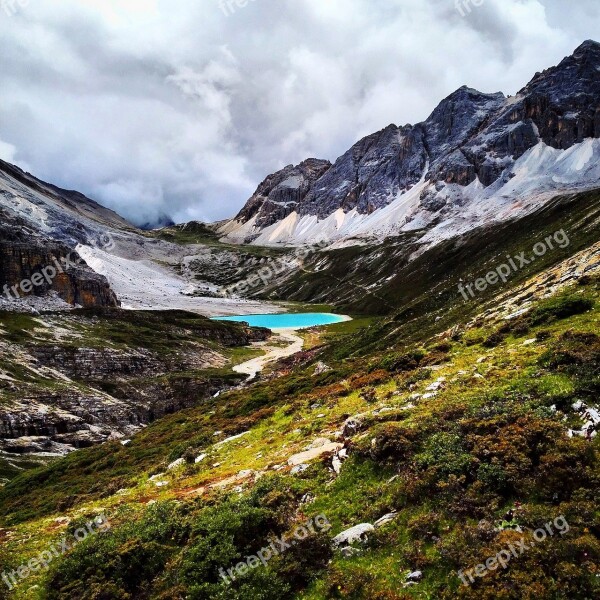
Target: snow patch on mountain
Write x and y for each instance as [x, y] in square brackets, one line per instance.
[541, 173]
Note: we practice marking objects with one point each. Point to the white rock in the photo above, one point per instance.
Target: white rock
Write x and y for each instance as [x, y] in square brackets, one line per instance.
[385, 519]
[230, 439]
[355, 534]
[436, 385]
[176, 464]
[319, 443]
[299, 469]
[305, 457]
[336, 463]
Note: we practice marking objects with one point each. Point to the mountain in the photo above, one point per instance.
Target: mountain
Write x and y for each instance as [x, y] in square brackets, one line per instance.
[389, 460]
[478, 157]
[44, 229]
[40, 227]
[77, 370]
[396, 454]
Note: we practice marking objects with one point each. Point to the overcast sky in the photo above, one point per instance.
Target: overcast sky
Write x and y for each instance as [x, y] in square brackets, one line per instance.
[182, 107]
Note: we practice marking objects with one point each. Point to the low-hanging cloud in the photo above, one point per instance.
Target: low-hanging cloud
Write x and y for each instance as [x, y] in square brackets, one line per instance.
[178, 110]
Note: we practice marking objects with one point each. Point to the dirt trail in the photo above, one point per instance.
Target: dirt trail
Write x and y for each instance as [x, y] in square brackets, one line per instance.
[273, 353]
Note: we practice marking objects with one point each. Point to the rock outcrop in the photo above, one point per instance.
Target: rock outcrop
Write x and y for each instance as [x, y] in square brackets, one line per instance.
[470, 136]
[71, 380]
[76, 285]
[283, 192]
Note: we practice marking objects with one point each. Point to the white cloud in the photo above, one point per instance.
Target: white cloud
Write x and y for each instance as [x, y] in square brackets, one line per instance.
[156, 107]
[7, 152]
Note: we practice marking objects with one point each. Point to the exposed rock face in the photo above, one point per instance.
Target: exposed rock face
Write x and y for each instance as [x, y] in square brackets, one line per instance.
[283, 192]
[469, 136]
[40, 225]
[70, 215]
[373, 170]
[67, 392]
[23, 257]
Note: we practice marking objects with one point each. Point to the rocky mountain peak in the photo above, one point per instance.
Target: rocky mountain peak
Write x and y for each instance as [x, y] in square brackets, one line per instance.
[457, 117]
[470, 136]
[279, 194]
[589, 47]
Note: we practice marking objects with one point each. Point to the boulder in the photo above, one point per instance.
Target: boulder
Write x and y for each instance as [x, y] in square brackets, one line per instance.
[356, 534]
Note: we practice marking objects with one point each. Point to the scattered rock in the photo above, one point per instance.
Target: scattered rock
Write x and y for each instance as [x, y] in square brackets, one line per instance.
[229, 439]
[353, 425]
[414, 576]
[356, 534]
[321, 368]
[319, 443]
[437, 385]
[299, 469]
[385, 519]
[336, 463]
[176, 464]
[305, 457]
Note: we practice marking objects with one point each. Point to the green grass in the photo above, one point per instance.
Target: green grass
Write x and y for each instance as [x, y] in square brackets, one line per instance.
[491, 438]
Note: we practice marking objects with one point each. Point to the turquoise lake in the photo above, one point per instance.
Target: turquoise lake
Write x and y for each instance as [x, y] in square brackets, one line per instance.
[286, 320]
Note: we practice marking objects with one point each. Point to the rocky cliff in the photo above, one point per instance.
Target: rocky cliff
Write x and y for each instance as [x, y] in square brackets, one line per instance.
[31, 264]
[471, 137]
[71, 380]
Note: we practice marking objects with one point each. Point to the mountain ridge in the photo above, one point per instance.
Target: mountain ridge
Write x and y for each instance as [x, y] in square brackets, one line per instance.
[470, 138]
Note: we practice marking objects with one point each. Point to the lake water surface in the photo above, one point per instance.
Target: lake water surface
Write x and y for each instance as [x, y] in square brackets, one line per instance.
[287, 320]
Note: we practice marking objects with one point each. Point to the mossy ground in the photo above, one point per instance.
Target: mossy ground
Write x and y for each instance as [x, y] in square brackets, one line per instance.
[493, 438]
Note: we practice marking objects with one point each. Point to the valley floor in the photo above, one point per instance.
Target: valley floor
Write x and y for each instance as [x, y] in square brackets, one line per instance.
[445, 451]
[289, 343]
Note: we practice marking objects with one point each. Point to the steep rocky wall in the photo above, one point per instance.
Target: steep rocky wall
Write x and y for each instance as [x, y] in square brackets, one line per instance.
[470, 135]
[21, 261]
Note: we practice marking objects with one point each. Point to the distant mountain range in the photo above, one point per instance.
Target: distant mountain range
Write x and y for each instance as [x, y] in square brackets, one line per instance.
[477, 158]
[478, 161]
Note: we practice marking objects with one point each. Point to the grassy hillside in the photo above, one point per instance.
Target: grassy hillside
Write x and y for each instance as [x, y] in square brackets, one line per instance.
[468, 425]
[382, 280]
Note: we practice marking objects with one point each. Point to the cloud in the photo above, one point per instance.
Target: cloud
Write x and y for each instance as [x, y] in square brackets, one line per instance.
[160, 108]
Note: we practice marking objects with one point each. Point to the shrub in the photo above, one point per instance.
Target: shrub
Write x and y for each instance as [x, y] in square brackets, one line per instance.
[560, 307]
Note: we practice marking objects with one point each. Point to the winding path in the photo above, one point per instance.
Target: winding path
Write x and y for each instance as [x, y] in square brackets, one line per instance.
[272, 353]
